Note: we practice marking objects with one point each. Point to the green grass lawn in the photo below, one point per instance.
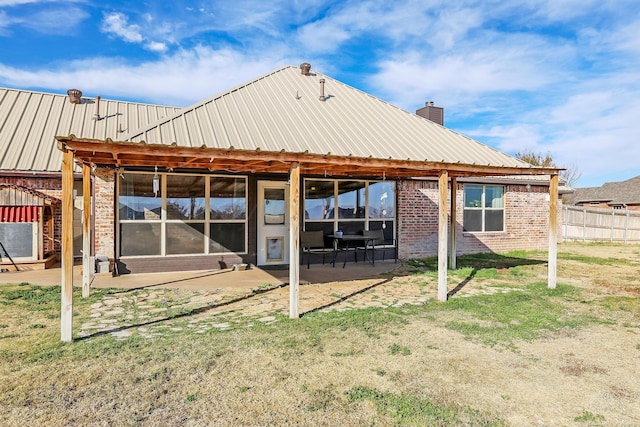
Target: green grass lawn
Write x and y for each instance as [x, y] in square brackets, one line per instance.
[407, 365]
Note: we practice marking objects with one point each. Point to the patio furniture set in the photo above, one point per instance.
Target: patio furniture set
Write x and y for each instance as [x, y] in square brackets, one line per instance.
[316, 243]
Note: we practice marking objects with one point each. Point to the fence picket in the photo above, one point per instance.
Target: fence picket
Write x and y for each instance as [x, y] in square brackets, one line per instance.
[594, 225]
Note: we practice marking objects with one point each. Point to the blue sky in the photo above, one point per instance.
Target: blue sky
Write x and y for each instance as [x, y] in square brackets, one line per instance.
[556, 76]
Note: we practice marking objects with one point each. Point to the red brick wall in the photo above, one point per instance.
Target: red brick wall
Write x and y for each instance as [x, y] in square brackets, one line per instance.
[104, 223]
[526, 221]
[417, 210]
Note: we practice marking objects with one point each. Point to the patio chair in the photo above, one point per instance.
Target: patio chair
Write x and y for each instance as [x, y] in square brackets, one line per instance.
[313, 243]
[377, 242]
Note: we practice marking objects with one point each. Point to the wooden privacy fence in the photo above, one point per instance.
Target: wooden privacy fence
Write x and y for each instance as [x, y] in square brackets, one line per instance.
[600, 225]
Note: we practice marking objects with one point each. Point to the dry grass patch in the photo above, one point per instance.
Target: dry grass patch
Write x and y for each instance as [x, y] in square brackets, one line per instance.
[495, 354]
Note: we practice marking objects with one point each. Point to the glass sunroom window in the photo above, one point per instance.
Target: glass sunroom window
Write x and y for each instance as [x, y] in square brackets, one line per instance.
[351, 199]
[362, 205]
[228, 198]
[191, 214]
[483, 208]
[381, 200]
[136, 199]
[185, 197]
[319, 199]
[228, 210]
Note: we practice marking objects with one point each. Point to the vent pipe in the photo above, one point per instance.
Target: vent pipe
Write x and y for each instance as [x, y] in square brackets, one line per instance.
[322, 97]
[305, 67]
[75, 96]
[97, 115]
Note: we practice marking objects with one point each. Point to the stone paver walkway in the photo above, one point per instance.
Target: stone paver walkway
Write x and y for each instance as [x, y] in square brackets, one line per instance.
[149, 312]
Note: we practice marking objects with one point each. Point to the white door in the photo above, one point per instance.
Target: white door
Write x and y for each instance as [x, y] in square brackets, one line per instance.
[273, 223]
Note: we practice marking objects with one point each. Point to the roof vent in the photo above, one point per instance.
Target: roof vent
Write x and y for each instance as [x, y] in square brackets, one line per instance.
[75, 96]
[305, 67]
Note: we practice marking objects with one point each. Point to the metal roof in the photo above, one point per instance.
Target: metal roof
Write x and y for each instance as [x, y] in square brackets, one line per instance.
[30, 121]
[282, 112]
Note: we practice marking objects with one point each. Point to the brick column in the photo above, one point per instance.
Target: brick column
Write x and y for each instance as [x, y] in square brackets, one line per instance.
[104, 194]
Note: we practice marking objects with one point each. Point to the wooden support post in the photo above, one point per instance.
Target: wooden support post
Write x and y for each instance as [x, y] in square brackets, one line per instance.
[453, 257]
[66, 307]
[442, 236]
[87, 268]
[294, 240]
[553, 231]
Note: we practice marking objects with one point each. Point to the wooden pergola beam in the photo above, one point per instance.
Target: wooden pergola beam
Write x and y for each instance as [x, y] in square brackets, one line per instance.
[139, 154]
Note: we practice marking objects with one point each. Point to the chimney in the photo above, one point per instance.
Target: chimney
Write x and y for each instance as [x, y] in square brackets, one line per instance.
[75, 96]
[305, 67]
[431, 112]
[322, 97]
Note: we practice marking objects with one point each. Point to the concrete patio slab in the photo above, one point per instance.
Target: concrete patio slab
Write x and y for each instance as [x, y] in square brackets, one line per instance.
[251, 278]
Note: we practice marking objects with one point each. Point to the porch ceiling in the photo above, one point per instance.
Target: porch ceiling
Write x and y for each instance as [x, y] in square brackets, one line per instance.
[139, 154]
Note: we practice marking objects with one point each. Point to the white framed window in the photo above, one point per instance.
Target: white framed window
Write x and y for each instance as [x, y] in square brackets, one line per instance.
[483, 208]
[181, 214]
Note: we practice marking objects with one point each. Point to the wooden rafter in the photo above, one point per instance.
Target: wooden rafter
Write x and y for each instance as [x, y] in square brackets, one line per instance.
[129, 154]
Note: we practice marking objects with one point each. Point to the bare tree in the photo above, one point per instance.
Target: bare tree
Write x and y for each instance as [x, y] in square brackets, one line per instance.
[570, 175]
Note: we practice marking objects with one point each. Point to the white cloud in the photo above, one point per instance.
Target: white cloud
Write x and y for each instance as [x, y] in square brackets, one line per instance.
[451, 26]
[469, 72]
[180, 79]
[46, 20]
[5, 22]
[118, 25]
[156, 46]
[320, 37]
[511, 139]
[562, 10]
[4, 3]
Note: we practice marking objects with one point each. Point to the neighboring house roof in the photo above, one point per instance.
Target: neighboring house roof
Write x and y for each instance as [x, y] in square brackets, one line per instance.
[281, 112]
[30, 121]
[614, 193]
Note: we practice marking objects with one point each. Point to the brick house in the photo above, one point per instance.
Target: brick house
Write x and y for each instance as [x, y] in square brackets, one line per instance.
[611, 195]
[30, 162]
[210, 185]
